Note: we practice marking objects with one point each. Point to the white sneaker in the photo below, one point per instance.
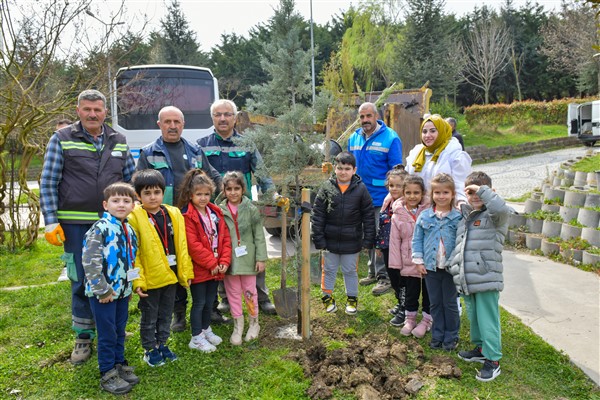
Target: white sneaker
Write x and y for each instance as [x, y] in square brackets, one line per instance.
[63, 275]
[199, 342]
[211, 337]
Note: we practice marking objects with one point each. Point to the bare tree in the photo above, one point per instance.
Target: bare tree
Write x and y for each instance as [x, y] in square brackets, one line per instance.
[571, 43]
[37, 87]
[487, 48]
[517, 64]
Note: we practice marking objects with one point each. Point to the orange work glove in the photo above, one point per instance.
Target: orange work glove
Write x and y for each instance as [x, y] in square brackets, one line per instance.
[327, 168]
[283, 202]
[54, 234]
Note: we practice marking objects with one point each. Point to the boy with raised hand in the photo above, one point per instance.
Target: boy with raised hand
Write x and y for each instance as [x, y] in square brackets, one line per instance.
[109, 250]
[343, 223]
[476, 267]
[163, 261]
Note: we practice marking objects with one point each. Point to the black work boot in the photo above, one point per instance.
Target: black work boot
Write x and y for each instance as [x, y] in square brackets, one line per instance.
[178, 323]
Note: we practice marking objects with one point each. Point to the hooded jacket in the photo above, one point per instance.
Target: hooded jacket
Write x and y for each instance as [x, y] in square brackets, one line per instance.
[401, 234]
[476, 263]
[155, 271]
[252, 236]
[343, 223]
[199, 246]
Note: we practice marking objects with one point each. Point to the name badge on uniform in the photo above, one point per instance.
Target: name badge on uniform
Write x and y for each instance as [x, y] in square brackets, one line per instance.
[133, 274]
[172, 259]
[240, 251]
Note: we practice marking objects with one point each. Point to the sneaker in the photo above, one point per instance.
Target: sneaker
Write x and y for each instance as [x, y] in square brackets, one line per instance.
[398, 320]
[199, 342]
[489, 371]
[472, 355]
[113, 383]
[395, 310]
[383, 286]
[450, 346]
[435, 345]
[166, 353]
[329, 303]
[217, 318]
[211, 337]
[153, 358]
[63, 275]
[126, 373]
[267, 307]
[369, 280]
[223, 306]
[82, 350]
[178, 322]
[352, 305]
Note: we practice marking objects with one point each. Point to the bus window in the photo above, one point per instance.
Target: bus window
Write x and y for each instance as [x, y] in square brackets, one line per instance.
[142, 91]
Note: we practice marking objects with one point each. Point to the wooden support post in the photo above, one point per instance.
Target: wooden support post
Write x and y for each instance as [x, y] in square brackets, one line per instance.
[305, 281]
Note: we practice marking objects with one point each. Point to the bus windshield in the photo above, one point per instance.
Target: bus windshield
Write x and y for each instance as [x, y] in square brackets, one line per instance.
[141, 92]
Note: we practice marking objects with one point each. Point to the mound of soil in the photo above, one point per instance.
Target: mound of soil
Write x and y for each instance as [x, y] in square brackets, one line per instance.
[372, 367]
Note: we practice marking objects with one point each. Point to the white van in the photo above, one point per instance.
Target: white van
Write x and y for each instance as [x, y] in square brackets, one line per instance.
[583, 121]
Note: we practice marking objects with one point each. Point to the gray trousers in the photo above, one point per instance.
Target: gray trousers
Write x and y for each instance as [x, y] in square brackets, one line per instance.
[376, 264]
[349, 264]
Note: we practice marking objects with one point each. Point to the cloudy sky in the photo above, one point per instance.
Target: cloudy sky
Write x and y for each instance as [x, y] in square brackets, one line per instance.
[210, 18]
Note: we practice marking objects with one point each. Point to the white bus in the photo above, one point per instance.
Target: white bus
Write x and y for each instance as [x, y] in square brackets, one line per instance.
[142, 90]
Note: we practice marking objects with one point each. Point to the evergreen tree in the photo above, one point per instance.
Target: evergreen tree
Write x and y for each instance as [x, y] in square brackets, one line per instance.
[286, 63]
[235, 62]
[176, 43]
[427, 48]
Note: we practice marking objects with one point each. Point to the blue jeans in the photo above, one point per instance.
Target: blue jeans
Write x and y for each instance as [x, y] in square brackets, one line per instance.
[203, 297]
[81, 314]
[157, 312]
[111, 319]
[443, 307]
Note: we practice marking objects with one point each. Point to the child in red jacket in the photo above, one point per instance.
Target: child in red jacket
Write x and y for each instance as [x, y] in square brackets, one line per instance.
[209, 245]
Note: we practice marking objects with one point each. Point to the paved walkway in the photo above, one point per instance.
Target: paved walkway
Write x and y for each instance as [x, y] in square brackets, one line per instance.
[515, 177]
[558, 302]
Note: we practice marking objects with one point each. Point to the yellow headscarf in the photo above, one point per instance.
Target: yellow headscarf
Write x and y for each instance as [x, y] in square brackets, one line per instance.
[444, 135]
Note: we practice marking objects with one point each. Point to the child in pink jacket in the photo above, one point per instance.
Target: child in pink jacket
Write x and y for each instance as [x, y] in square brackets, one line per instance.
[405, 213]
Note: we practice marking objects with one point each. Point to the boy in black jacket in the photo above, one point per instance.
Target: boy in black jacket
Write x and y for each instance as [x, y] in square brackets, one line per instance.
[342, 224]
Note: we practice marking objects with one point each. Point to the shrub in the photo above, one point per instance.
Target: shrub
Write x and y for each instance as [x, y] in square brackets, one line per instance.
[445, 108]
[539, 112]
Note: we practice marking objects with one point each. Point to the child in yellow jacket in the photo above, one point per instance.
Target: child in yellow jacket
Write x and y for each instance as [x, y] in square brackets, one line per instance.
[163, 261]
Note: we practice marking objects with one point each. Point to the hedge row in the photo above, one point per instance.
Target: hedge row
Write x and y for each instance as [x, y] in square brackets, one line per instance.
[538, 112]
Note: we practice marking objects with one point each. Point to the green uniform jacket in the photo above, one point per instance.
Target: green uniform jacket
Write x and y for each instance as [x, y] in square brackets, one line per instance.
[250, 226]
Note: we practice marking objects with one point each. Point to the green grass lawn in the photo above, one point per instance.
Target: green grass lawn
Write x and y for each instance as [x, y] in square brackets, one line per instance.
[36, 341]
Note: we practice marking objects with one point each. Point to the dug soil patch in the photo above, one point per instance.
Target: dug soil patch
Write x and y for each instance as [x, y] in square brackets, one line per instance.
[374, 366]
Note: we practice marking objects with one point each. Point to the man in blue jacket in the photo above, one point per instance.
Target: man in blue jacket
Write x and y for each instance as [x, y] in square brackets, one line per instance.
[377, 149]
[173, 156]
